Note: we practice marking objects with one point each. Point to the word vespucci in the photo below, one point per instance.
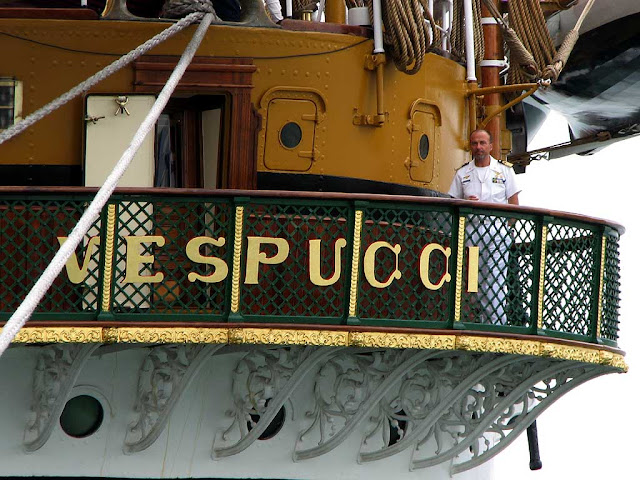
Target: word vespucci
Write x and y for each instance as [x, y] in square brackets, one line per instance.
[255, 257]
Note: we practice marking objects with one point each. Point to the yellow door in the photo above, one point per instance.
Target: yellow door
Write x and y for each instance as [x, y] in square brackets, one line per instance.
[423, 146]
[290, 137]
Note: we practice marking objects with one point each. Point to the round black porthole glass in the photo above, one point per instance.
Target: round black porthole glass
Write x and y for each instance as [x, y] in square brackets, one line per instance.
[291, 135]
[423, 148]
[273, 428]
[82, 416]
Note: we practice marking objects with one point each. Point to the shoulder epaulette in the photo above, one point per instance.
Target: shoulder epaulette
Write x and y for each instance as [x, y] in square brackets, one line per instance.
[461, 166]
[505, 163]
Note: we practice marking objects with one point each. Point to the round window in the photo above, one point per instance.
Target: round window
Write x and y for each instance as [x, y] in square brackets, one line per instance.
[423, 147]
[82, 416]
[291, 135]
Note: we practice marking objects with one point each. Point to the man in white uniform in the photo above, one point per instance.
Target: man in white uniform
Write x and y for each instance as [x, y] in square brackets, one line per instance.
[485, 179]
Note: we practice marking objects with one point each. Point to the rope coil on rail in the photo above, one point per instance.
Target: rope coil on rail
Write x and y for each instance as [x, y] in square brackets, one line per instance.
[458, 41]
[42, 285]
[407, 33]
[529, 42]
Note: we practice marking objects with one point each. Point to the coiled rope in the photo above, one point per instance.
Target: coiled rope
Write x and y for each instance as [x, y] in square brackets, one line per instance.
[29, 304]
[553, 69]
[407, 34]
[458, 44]
[529, 42]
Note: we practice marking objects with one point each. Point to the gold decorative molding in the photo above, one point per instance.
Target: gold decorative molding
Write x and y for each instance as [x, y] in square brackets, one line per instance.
[165, 335]
[268, 336]
[498, 345]
[402, 340]
[613, 359]
[543, 259]
[601, 285]
[237, 253]
[108, 258]
[328, 338]
[460, 258]
[567, 352]
[34, 335]
[355, 264]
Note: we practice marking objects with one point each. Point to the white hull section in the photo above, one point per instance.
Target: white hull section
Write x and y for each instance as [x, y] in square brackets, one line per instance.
[197, 411]
[194, 428]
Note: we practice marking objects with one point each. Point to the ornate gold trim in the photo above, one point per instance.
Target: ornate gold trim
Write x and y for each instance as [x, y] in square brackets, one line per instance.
[108, 258]
[269, 336]
[165, 335]
[402, 340]
[543, 260]
[601, 285]
[497, 345]
[328, 338]
[460, 258]
[355, 264]
[237, 253]
[33, 335]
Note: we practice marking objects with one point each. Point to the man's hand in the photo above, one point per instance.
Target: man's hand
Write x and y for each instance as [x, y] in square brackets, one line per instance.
[473, 197]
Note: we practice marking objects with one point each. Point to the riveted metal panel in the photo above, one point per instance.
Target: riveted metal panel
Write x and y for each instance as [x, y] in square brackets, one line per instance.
[424, 124]
[280, 156]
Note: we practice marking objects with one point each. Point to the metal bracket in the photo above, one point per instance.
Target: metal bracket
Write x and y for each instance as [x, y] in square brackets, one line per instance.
[370, 120]
[56, 371]
[92, 119]
[165, 374]
[375, 63]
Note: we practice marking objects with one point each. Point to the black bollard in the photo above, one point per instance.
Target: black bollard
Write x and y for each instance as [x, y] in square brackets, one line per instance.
[534, 451]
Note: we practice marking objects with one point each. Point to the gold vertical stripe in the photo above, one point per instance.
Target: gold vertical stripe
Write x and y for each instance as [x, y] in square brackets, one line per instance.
[473, 267]
[601, 285]
[461, 227]
[108, 258]
[543, 259]
[237, 252]
[355, 264]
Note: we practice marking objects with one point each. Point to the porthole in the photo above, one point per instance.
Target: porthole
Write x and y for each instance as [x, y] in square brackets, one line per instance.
[82, 416]
[291, 135]
[273, 428]
[423, 147]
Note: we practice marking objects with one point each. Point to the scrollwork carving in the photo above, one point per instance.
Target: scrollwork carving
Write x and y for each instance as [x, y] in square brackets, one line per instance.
[165, 374]
[57, 369]
[262, 382]
[344, 394]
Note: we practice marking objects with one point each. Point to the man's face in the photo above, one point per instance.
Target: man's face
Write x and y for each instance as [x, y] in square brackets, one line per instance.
[480, 145]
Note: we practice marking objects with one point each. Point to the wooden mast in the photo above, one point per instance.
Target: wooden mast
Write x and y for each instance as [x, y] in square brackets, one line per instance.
[490, 75]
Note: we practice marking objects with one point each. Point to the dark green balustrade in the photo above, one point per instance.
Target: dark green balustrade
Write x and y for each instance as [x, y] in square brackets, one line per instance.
[172, 259]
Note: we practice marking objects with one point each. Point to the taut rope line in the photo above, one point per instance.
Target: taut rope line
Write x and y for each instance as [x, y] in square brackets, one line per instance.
[29, 304]
[98, 77]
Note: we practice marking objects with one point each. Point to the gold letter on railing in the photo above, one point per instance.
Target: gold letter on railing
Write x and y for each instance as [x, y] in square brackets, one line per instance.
[370, 264]
[76, 273]
[472, 274]
[314, 263]
[255, 257]
[425, 257]
[134, 259]
[220, 268]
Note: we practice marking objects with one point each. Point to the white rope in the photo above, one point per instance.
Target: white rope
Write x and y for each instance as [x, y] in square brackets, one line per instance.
[29, 304]
[583, 15]
[98, 77]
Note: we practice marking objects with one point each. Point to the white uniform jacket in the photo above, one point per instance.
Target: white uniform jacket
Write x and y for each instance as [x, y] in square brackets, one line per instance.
[494, 184]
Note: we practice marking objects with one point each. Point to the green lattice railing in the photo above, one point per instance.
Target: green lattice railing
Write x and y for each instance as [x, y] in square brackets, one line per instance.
[159, 255]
